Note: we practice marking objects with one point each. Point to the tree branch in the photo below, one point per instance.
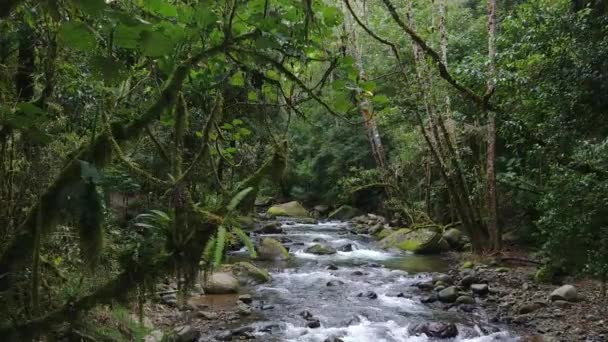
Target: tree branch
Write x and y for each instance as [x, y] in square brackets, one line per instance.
[433, 55]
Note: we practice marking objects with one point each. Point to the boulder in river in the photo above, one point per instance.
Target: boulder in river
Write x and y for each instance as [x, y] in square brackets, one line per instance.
[289, 209]
[344, 212]
[322, 209]
[270, 228]
[186, 333]
[448, 295]
[271, 249]
[346, 248]
[247, 273]
[566, 292]
[435, 330]
[220, 283]
[335, 283]
[453, 237]
[320, 249]
[419, 241]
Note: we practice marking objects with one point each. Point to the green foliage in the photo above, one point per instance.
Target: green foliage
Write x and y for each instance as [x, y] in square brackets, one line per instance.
[574, 224]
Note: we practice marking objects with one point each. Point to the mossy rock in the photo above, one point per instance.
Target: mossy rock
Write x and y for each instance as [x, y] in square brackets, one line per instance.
[344, 212]
[383, 233]
[247, 272]
[454, 237]
[271, 249]
[246, 222]
[289, 209]
[467, 265]
[319, 249]
[420, 241]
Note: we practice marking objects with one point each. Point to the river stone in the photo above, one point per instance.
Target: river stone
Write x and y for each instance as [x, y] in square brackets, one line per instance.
[271, 249]
[344, 212]
[562, 304]
[246, 222]
[435, 330]
[186, 333]
[420, 241]
[480, 289]
[289, 209]
[566, 292]
[346, 248]
[208, 315]
[313, 324]
[454, 237]
[319, 249]
[465, 300]
[245, 298]
[335, 283]
[247, 273]
[221, 283]
[468, 280]
[528, 308]
[270, 228]
[448, 295]
[446, 279]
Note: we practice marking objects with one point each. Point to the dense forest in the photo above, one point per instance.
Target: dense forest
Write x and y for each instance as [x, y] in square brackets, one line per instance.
[144, 141]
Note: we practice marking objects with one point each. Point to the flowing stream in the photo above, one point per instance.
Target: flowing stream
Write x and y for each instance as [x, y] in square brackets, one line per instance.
[345, 311]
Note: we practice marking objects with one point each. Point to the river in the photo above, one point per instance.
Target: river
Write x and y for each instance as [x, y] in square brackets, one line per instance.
[373, 297]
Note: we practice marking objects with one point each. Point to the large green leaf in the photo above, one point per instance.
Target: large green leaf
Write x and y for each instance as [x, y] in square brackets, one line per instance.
[160, 7]
[155, 44]
[107, 69]
[77, 36]
[127, 36]
[91, 7]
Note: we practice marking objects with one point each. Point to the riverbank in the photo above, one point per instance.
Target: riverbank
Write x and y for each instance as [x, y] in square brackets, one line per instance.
[514, 299]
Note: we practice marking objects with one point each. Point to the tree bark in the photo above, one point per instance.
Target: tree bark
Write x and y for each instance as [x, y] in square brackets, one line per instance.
[491, 196]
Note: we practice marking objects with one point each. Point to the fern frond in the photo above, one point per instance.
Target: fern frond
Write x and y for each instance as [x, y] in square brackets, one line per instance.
[238, 198]
[208, 250]
[220, 243]
[246, 241]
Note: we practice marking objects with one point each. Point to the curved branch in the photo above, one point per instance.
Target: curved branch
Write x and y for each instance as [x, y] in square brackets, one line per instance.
[443, 70]
[371, 33]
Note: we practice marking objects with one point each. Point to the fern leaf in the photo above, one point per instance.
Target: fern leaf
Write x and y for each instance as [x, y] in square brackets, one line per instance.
[246, 241]
[220, 243]
[208, 250]
[238, 198]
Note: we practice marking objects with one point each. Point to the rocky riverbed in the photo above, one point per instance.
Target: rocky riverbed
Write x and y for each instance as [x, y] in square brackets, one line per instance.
[333, 281]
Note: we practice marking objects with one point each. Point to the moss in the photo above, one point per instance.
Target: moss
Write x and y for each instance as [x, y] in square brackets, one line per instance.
[544, 275]
[271, 249]
[467, 265]
[289, 209]
[248, 270]
[382, 234]
[420, 241]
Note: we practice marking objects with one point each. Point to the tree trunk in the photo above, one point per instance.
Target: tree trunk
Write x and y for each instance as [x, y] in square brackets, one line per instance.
[491, 197]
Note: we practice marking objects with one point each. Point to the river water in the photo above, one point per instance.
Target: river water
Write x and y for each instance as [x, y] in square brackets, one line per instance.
[301, 284]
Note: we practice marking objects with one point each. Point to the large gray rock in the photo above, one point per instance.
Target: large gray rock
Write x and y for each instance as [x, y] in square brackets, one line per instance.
[566, 292]
[321, 209]
[448, 295]
[271, 249]
[270, 228]
[454, 237]
[186, 333]
[319, 249]
[289, 209]
[248, 273]
[435, 330]
[480, 289]
[220, 283]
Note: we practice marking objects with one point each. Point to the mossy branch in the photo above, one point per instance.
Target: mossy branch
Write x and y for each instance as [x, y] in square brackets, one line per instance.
[99, 153]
